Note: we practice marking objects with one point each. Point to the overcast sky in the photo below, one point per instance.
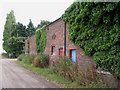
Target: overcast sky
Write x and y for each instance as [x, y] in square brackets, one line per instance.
[36, 10]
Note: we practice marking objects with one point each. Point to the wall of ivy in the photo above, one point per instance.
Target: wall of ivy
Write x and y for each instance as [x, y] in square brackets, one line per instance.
[95, 27]
[40, 39]
[28, 46]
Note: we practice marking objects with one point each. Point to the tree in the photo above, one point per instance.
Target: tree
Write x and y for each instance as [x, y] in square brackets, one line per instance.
[16, 46]
[13, 36]
[30, 29]
[95, 27]
[9, 28]
[42, 23]
[20, 30]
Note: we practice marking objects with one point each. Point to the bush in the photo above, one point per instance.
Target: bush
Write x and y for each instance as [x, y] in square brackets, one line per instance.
[65, 68]
[26, 58]
[41, 61]
[86, 74]
[20, 58]
[83, 76]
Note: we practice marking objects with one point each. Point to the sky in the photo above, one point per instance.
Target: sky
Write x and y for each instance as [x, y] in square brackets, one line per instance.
[36, 10]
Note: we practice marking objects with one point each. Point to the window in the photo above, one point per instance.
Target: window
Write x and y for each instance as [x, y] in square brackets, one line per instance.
[53, 50]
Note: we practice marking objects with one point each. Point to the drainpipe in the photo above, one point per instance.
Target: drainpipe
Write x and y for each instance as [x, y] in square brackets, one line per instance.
[65, 39]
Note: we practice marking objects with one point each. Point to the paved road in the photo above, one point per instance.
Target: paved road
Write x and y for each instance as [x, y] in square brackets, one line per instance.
[15, 76]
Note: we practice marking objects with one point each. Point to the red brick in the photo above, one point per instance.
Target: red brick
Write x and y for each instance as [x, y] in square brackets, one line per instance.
[57, 28]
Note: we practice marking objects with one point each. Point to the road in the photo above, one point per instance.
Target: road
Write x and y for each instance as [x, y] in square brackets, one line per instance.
[16, 76]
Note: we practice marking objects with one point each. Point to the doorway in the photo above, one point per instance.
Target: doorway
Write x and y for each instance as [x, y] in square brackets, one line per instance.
[73, 56]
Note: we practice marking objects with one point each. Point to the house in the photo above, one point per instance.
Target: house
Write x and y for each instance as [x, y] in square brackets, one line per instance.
[32, 44]
[57, 44]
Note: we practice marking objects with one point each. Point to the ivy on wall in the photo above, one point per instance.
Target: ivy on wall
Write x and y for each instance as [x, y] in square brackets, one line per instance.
[40, 39]
[28, 46]
[95, 27]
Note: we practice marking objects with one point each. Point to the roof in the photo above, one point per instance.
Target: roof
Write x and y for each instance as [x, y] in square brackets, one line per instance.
[53, 22]
[45, 26]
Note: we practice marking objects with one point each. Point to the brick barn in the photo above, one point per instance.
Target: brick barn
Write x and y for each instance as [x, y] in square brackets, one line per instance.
[57, 44]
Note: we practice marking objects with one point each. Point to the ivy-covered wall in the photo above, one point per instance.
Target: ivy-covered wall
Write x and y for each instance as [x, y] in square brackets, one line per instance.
[40, 39]
[28, 46]
[95, 27]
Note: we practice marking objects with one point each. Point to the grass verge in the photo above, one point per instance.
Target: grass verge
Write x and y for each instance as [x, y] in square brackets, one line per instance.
[64, 82]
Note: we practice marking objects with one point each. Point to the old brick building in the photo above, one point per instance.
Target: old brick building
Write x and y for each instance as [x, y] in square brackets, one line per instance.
[56, 42]
[32, 44]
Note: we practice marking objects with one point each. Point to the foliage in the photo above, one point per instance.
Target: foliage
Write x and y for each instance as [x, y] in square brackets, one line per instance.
[95, 27]
[41, 61]
[20, 58]
[40, 39]
[83, 76]
[28, 46]
[26, 58]
[9, 27]
[42, 23]
[65, 68]
[4, 55]
[13, 36]
[20, 30]
[64, 82]
[87, 74]
[30, 29]
[15, 45]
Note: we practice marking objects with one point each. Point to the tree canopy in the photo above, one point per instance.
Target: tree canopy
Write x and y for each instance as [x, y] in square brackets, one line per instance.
[9, 28]
[13, 36]
[42, 23]
[95, 27]
[30, 29]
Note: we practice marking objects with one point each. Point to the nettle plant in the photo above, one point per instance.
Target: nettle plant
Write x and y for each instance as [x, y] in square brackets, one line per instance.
[95, 27]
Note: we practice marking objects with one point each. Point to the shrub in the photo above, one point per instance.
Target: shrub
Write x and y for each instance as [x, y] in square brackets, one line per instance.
[87, 74]
[20, 58]
[65, 68]
[41, 61]
[82, 75]
[26, 58]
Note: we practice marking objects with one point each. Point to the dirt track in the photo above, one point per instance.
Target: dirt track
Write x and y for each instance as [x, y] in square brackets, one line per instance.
[16, 76]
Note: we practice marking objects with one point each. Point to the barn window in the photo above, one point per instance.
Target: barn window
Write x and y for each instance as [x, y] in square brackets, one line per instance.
[53, 50]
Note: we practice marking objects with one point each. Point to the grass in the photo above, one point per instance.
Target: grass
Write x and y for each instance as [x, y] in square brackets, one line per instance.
[64, 82]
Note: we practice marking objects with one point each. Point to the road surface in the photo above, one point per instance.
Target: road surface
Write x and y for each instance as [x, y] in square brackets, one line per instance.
[16, 76]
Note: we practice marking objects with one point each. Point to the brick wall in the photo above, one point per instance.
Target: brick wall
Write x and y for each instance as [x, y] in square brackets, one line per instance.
[32, 45]
[57, 28]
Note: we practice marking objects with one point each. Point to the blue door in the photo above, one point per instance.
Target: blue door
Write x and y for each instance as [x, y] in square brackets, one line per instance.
[73, 56]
